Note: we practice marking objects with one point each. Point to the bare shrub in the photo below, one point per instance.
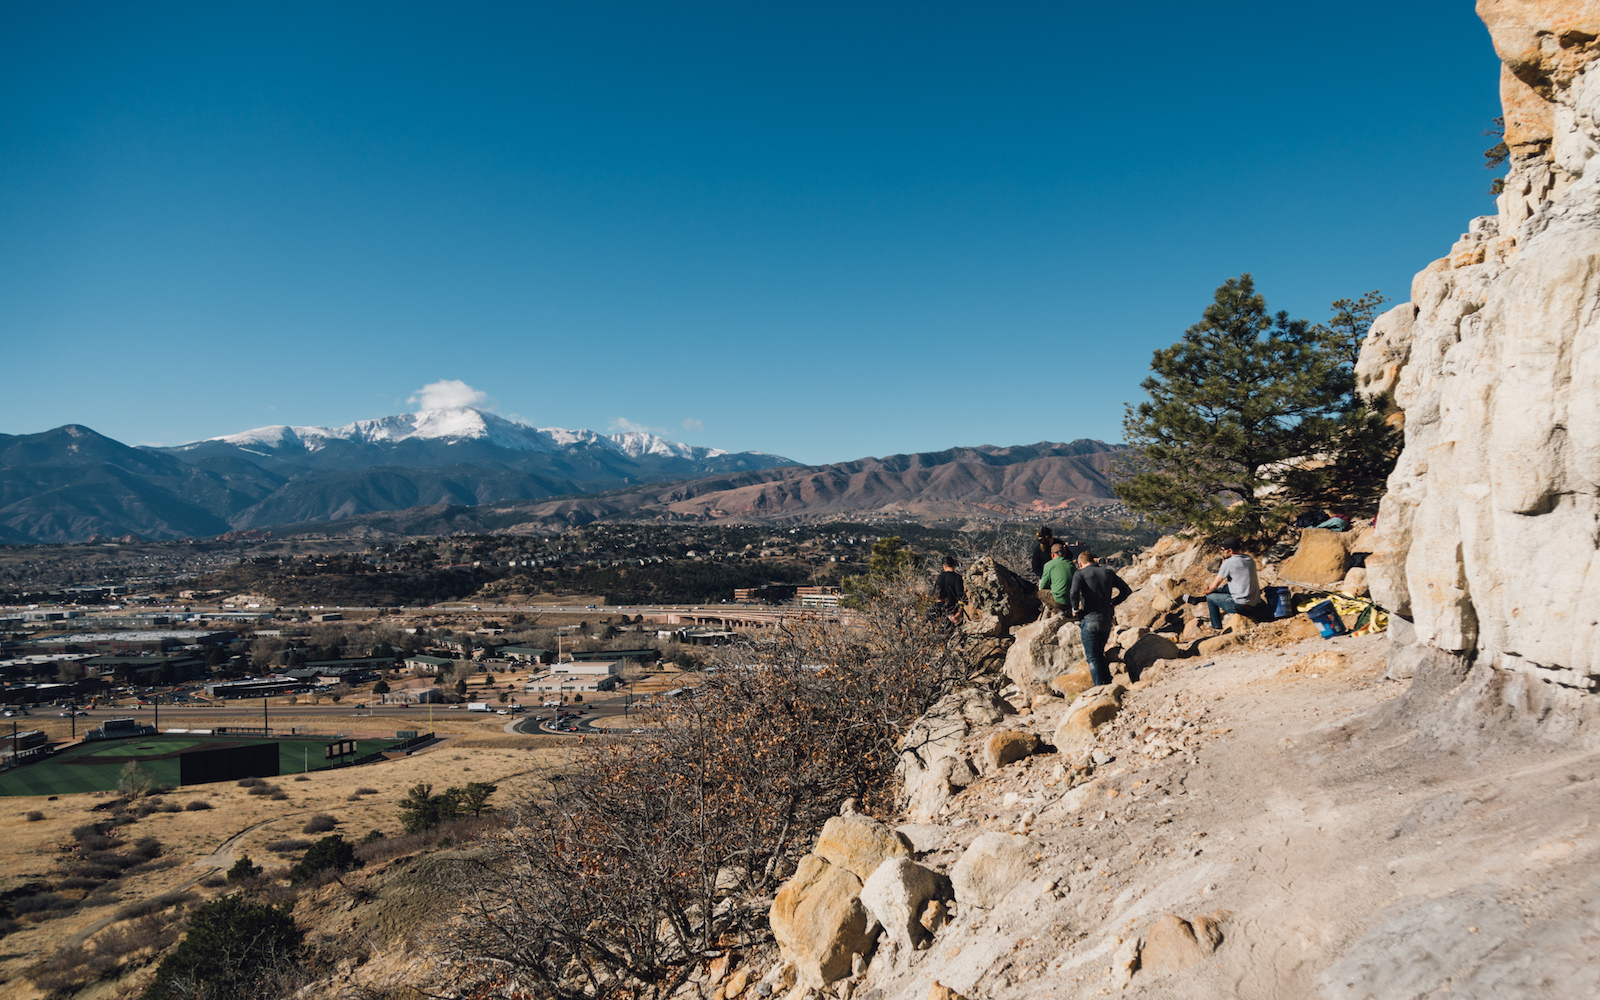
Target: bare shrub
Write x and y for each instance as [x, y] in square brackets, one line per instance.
[320, 823]
[250, 782]
[43, 906]
[155, 904]
[301, 777]
[33, 815]
[278, 796]
[78, 882]
[289, 845]
[364, 790]
[262, 788]
[151, 934]
[196, 805]
[708, 816]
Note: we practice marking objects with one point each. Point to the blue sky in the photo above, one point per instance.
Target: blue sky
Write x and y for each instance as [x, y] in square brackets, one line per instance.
[825, 230]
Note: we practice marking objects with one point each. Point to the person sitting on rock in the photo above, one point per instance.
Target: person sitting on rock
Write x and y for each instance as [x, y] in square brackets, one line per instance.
[1096, 590]
[1041, 550]
[1055, 582]
[1235, 589]
[949, 591]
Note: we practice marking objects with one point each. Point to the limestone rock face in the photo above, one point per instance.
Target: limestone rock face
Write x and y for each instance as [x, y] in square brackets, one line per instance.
[819, 922]
[858, 844]
[1487, 539]
[991, 867]
[998, 599]
[1043, 651]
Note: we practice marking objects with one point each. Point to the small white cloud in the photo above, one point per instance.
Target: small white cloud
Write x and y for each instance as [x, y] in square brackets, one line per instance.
[691, 424]
[447, 393]
[622, 425]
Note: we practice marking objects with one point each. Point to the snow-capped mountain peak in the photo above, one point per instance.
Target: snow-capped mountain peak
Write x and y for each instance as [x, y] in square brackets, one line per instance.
[460, 424]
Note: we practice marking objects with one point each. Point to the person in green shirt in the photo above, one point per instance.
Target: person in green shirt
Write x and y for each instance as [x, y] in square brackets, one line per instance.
[1055, 583]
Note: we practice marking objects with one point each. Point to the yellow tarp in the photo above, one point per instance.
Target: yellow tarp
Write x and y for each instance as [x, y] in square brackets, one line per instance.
[1369, 617]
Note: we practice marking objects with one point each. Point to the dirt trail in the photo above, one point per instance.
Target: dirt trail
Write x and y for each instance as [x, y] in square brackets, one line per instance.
[1356, 858]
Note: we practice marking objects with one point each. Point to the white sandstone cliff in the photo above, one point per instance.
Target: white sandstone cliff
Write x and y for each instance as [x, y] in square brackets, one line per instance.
[1488, 538]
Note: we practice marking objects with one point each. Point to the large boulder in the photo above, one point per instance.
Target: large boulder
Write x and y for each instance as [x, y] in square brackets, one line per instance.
[894, 896]
[1004, 748]
[931, 765]
[858, 844]
[1147, 650]
[1043, 651]
[1172, 944]
[1093, 709]
[1320, 558]
[991, 867]
[997, 599]
[1073, 683]
[819, 922]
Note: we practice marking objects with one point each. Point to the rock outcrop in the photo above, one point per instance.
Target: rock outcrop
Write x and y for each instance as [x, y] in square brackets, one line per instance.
[1487, 539]
[997, 599]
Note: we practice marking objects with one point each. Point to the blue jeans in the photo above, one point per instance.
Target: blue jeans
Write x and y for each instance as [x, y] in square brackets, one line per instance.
[1219, 603]
[1095, 630]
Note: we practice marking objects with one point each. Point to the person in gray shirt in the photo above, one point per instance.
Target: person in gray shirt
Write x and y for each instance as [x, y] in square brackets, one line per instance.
[1235, 588]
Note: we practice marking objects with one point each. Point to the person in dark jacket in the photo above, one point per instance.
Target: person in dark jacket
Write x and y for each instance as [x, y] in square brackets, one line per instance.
[949, 591]
[1096, 590]
[1041, 550]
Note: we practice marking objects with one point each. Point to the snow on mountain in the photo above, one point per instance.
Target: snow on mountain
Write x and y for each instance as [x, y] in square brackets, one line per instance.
[637, 443]
[461, 423]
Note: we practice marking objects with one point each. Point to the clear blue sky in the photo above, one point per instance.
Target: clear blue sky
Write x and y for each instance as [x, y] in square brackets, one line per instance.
[825, 230]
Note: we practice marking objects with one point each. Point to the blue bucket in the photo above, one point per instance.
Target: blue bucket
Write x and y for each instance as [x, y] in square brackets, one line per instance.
[1278, 599]
[1327, 619]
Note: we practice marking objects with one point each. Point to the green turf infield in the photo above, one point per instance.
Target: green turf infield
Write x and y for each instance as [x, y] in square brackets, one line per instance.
[96, 767]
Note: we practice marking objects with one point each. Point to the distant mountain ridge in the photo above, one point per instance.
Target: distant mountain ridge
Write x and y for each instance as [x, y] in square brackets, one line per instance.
[459, 469]
[71, 483]
[976, 483]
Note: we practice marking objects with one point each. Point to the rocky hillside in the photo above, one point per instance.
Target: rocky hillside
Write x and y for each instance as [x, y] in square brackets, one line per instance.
[981, 483]
[1488, 537]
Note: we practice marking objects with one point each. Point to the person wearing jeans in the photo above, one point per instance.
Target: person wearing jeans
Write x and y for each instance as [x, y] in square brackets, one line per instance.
[1235, 588]
[1096, 590]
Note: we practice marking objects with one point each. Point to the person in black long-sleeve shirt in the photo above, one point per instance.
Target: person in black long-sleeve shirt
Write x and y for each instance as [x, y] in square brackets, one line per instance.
[1041, 550]
[949, 591]
[1096, 590]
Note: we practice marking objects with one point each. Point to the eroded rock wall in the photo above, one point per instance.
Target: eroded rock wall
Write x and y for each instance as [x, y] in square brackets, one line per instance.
[1488, 538]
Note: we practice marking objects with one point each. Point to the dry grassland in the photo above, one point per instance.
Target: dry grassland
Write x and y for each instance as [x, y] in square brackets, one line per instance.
[204, 843]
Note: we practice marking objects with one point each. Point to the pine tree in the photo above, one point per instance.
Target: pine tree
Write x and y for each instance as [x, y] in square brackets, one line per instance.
[1234, 406]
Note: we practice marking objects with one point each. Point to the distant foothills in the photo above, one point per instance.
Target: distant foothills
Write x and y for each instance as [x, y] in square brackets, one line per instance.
[464, 469]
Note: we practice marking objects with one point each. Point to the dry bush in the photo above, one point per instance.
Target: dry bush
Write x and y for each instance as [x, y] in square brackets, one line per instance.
[155, 904]
[151, 933]
[78, 882]
[262, 788]
[647, 855]
[42, 906]
[250, 782]
[33, 815]
[288, 845]
[278, 796]
[196, 805]
[364, 790]
[320, 823]
[460, 831]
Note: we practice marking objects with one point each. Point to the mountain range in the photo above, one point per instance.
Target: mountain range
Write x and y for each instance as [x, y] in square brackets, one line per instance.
[461, 468]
